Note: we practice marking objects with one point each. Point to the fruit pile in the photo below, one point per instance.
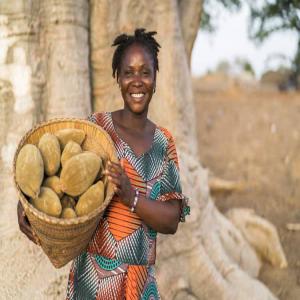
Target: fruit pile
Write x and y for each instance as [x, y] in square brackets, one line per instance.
[60, 178]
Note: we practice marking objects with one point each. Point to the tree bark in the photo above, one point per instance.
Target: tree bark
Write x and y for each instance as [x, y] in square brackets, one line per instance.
[190, 15]
[44, 73]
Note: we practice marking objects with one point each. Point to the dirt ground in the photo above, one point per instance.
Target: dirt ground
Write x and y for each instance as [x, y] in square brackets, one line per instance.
[251, 134]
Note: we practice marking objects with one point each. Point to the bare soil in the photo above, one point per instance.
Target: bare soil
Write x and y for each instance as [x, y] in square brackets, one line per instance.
[251, 133]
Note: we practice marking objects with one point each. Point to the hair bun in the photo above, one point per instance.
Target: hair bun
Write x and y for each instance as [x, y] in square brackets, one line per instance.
[139, 32]
[120, 39]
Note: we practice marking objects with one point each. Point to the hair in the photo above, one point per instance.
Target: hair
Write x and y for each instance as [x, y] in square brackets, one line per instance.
[124, 41]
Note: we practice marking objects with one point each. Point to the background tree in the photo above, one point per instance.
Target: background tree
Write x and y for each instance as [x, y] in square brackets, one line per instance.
[212, 9]
[268, 17]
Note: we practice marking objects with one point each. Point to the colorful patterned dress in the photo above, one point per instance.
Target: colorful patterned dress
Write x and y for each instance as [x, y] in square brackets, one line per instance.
[119, 261]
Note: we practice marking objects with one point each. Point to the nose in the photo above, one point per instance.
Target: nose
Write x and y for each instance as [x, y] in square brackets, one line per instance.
[137, 80]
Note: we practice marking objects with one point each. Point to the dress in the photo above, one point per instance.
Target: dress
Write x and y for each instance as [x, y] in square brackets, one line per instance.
[119, 261]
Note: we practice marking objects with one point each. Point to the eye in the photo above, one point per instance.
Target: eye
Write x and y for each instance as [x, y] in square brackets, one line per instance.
[128, 72]
[146, 73]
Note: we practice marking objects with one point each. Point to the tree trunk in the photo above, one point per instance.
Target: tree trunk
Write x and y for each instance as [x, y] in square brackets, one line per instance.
[44, 73]
[47, 42]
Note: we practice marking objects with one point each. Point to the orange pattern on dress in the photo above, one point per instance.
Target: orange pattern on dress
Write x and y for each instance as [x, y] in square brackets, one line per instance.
[136, 279]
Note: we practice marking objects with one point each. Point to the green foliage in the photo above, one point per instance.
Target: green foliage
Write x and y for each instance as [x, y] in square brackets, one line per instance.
[269, 16]
[238, 66]
[244, 65]
[211, 11]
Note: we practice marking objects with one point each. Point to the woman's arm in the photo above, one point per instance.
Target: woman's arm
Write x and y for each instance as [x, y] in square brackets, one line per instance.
[161, 216]
[24, 224]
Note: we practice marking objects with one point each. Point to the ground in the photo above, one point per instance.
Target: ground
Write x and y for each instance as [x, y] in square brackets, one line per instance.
[251, 134]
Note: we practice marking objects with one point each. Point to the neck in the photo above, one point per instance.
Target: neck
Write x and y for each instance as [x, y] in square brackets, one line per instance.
[132, 120]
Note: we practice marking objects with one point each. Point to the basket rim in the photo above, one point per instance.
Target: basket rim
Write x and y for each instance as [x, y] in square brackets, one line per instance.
[41, 215]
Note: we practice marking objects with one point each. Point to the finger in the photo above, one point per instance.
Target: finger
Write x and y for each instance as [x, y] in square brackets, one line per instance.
[115, 166]
[20, 209]
[115, 175]
[117, 190]
[24, 224]
[115, 171]
[122, 163]
[27, 232]
[112, 172]
[114, 180]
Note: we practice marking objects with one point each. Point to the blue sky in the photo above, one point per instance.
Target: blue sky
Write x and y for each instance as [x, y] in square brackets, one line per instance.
[231, 41]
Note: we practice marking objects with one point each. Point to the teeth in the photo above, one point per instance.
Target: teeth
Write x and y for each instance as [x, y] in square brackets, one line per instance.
[137, 95]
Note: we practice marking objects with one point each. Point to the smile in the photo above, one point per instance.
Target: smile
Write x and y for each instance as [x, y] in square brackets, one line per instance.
[138, 96]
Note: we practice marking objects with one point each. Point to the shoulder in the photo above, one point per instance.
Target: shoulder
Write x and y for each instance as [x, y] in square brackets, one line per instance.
[166, 133]
[100, 118]
[170, 144]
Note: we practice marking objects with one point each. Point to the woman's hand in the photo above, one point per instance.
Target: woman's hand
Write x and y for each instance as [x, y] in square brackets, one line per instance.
[117, 175]
[25, 225]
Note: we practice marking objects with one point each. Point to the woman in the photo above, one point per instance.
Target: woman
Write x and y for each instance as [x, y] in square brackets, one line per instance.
[119, 261]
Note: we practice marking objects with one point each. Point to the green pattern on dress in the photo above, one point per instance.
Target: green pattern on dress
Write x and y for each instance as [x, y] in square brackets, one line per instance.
[152, 233]
[87, 279]
[155, 191]
[150, 291]
[106, 263]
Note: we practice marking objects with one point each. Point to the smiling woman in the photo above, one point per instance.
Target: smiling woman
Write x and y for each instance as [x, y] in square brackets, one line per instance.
[119, 261]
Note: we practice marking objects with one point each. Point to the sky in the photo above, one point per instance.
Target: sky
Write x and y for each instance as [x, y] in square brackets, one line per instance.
[231, 41]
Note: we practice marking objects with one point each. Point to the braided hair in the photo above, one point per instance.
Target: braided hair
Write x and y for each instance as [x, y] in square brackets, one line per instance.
[141, 37]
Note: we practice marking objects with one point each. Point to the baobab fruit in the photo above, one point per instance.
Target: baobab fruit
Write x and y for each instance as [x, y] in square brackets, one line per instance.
[79, 173]
[71, 149]
[48, 202]
[30, 170]
[91, 199]
[70, 134]
[54, 184]
[68, 213]
[50, 150]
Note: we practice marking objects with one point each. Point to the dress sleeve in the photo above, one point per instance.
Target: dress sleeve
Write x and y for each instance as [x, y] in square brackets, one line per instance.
[98, 118]
[92, 118]
[170, 187]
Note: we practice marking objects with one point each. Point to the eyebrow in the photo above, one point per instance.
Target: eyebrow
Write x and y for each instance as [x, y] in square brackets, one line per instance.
[143, 65]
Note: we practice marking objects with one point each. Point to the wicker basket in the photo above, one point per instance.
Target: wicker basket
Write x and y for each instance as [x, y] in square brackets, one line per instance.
[64, 239]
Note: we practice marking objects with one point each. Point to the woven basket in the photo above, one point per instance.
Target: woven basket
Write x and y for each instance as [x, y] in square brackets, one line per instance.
[64, 239]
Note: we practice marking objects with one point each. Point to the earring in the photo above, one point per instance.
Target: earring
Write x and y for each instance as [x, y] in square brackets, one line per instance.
[153, 90]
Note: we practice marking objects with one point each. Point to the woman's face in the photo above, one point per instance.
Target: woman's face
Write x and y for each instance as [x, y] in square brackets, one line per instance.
[137, 78]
